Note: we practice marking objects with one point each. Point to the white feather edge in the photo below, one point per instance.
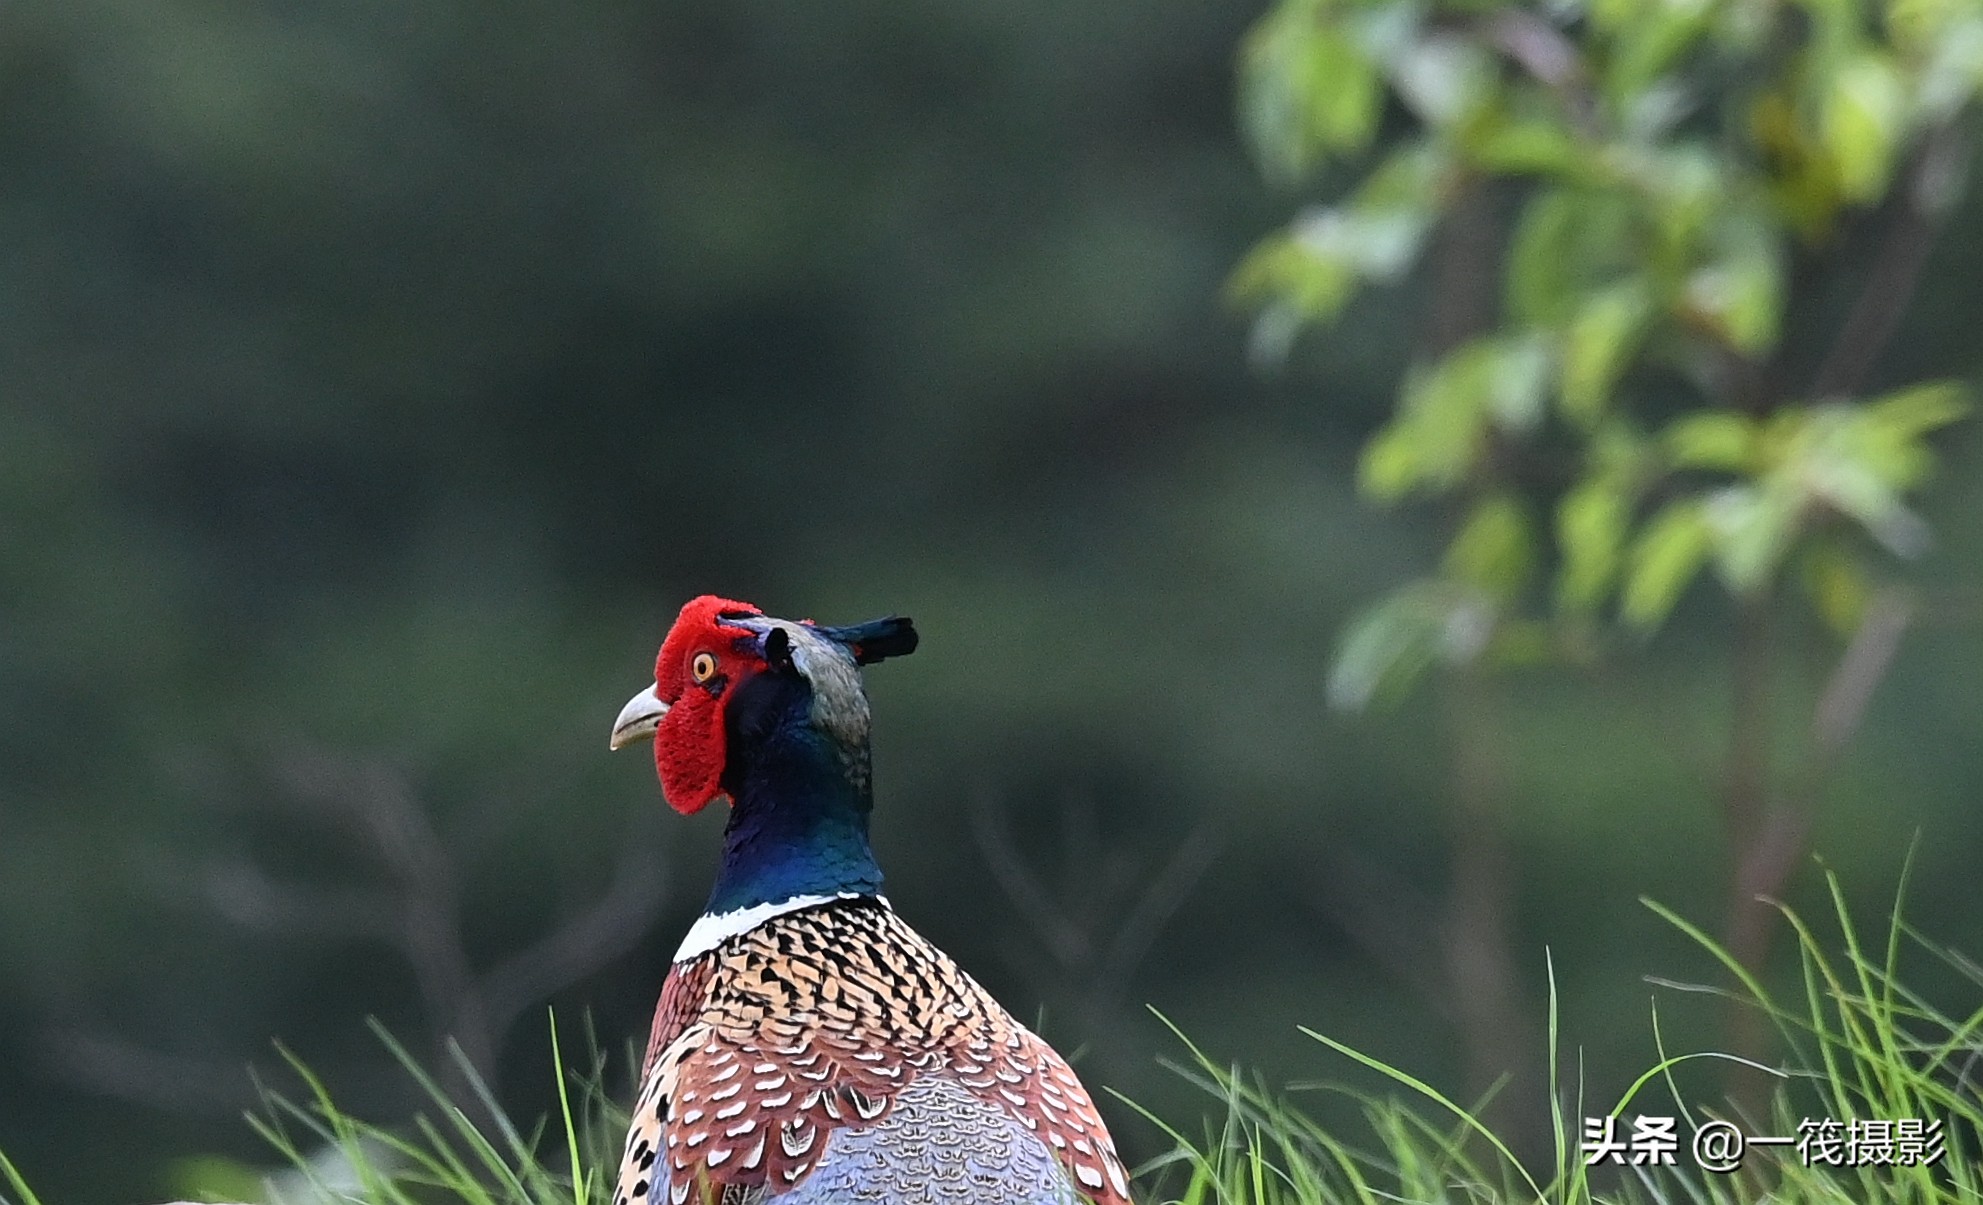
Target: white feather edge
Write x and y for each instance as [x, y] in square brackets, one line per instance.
[712, 929]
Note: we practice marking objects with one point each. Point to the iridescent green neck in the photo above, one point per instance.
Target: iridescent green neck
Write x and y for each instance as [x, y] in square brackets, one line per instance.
[799, 818]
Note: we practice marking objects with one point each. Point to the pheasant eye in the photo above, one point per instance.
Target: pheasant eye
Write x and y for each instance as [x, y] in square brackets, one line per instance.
[703, 668]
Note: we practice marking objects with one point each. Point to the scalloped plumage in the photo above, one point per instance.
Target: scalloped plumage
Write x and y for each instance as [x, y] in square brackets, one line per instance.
[832, 1054]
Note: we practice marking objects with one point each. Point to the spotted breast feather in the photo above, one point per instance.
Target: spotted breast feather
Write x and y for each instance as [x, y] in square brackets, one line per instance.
[831, 1054]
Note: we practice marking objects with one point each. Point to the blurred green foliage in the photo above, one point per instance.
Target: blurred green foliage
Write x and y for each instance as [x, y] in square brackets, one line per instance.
[1664, 167]
[377, 379]
[1621, 385]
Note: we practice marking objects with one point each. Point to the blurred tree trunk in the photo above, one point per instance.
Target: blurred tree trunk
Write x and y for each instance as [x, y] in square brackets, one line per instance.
[1481, 968]
[1768, 826]
[1478, 937]
[1746, 812]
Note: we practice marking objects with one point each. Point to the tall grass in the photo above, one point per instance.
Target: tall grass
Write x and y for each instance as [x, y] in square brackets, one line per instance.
[458, 1152]
[449, 1156]
[1858, 1043]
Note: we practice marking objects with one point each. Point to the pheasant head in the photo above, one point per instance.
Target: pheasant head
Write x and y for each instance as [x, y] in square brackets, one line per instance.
[725, 664]
[770, 715]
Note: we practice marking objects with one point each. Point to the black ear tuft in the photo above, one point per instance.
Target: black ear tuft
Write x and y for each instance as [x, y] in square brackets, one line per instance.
[778, 649]
[898, 639]
[877, 639]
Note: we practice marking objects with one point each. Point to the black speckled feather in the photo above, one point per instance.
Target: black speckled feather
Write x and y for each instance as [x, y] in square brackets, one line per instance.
[808, 1031]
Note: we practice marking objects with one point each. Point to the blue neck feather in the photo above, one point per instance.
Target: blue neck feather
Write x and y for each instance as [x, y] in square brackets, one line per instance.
[799, 820]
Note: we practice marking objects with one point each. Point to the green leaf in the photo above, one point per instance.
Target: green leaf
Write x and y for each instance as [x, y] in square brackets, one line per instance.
[1954, 67]
[1272, 104]
[1528, 146]
[1648, 43]
[1306, 91]
[1891, 432]
[1863, 117]
[1916, 26]
[1613, 15]
[1394, 209]
[1444, 410]
[1838, 585]
[1842, 457]
[1433, 441]
[1393, 463]
[1412, 177]
[1344, 92]
[1567, 242]
[1311, 282]
[1591, 523]
[1852, 485]
[1513, 374]
[1687, 185]
[1521, 643]
[1539, 257]
[1751, 528]
[1520, 386]
[1313, 267]
[1494, 551]
[1598, 346]
[1801, 180]
[1666, 556]
[1445, 78]
[1910, 413]
[1378, 243]
[1716, 441]
[1854, 489]
[1739, 294]
[1390, 645]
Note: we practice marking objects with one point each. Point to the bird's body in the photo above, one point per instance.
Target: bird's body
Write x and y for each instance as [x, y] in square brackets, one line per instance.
[831, 1054]
[810, 1047]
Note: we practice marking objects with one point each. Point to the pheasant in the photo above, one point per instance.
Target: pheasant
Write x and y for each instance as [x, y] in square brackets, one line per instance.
[810, 1048]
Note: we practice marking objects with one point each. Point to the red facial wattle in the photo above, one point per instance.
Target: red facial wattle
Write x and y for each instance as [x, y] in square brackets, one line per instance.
[689, 744]
[689, 750]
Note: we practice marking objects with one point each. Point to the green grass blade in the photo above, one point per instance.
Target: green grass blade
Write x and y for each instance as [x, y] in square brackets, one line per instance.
[1437, 1097]
[579, 1183]
[16, 1181]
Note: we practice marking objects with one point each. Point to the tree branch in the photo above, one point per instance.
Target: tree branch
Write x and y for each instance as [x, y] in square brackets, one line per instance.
[1063, 938]
[1918, 212]
[584, 944]
[1864, 664]
[1392, 922]
[1553, 59]
[1779, 833]
[1159, 902]
[170, 1083]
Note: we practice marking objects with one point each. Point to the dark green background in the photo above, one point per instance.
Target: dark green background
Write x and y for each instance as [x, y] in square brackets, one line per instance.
[377, 378]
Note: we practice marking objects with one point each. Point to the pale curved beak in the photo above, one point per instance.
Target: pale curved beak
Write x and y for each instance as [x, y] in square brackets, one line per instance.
[638, 719]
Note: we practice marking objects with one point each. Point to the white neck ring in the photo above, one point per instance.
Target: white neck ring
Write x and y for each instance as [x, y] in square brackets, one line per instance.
[712, 929]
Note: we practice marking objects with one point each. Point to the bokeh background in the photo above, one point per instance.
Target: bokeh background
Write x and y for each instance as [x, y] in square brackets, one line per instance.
[376, 380]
